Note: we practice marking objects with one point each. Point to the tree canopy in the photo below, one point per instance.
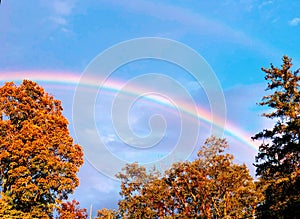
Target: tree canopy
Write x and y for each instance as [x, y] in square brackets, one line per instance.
[38, 159]
[72, 210]
[278, 159]
[212, 186]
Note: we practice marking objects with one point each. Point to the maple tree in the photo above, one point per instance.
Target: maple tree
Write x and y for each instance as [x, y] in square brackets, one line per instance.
[278, 160]
[105, 213]
[134, 191]
[72, 210]
[38, 159]
[211, 186]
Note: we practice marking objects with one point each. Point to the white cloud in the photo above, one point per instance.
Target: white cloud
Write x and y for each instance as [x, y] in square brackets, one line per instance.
[265, 3]
[110, 138]
[61, 11]
[295, 21]
[63, 7]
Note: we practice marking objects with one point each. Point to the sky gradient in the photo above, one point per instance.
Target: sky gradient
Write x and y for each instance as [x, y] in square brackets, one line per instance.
[54, 43]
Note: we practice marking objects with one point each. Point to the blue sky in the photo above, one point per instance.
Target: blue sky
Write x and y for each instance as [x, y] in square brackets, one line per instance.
[236, 38]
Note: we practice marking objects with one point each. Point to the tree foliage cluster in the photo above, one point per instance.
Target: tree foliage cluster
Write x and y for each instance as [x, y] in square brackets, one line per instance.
[38, 159]
[211, 186]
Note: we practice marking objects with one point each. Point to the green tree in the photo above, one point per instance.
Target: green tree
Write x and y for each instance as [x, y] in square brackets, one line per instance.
[278, 159]
[211, 186]
[38, 159]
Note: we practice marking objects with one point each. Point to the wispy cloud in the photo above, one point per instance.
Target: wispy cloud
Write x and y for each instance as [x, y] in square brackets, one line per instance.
[295, 21]
[265, 3]
[63, 7]
[61, 11]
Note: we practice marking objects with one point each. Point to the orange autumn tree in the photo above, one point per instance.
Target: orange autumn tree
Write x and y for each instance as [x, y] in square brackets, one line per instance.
[211, 186]
[38, 158]
[72, 210]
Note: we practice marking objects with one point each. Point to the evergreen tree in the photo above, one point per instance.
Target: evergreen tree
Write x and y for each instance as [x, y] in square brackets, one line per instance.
[278, 159]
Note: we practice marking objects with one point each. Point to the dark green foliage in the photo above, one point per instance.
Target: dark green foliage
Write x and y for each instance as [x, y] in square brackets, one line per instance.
[278, 159]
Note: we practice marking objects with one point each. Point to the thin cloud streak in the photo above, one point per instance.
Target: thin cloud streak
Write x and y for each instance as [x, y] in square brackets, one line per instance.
[295, 21]
[61, 11]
